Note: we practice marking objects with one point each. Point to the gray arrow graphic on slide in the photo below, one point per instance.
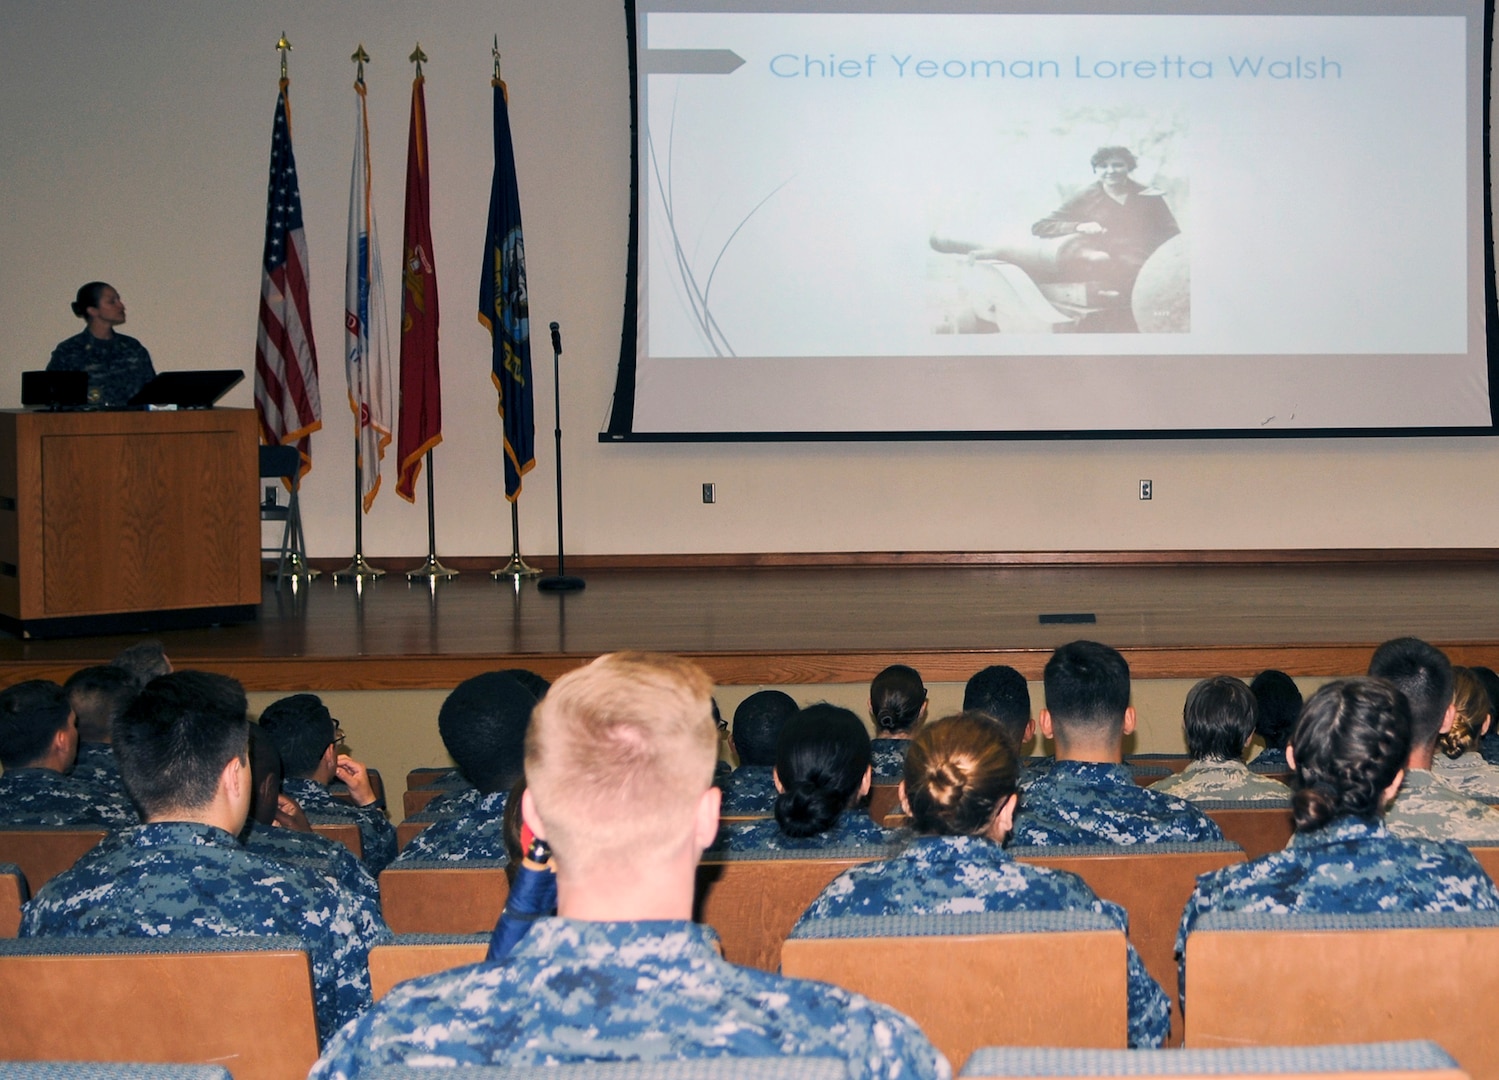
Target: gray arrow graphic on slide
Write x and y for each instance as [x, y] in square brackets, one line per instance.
[692, 61]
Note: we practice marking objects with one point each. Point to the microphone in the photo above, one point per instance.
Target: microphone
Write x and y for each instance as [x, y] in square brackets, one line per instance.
[556, 338]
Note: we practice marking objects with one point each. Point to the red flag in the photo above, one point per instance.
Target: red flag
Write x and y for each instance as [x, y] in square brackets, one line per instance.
[420, 427]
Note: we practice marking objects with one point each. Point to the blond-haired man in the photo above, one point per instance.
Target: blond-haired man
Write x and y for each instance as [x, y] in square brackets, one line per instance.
[619, 761]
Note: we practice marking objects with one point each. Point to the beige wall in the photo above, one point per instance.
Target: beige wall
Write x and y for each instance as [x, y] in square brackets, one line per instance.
[133, 147]
[396, 731]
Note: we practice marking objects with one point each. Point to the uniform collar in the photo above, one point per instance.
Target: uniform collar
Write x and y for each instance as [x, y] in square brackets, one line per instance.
[557, 938]
[162, 833]
[1340, 831]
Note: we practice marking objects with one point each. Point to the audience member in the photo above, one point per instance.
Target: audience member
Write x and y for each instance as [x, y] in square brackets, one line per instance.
[1089, 796]
[758, 722]
[1277, 704]
[533, 881]
[960, 790]
[1459, 761]
[822, 774]
[1426, 808]
[97, 695]
[619, 759]
[277, 828]
[483, 725]
[458, 795]
[897, 703]
[1218, 720]
[145, 660]
[309, 741]
[1347, 750]
[182, 751]
[1489, 746]
[1001, 692]
[38, 743]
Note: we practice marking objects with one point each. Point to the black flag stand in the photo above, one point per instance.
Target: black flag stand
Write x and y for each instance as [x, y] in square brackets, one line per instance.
[560, 582]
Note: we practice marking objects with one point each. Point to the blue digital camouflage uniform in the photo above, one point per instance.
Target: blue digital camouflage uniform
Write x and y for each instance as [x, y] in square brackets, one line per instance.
[888, 759]
[1222, 780]
[955, 875]
[377, 836]
[749, 789]
[97, 767]
[853, 828]
[328, 857]
[1470, 774]
[48, 798]
[117, 366]
[1427, 809]
[1348, 866]
[185, 879]
[1272, 756]
[1085, 802]
[1488, 746]
[456, 801]
[574, 991]
[477, 834]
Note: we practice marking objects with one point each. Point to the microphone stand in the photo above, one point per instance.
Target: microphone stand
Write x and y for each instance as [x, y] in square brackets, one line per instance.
[559, 582]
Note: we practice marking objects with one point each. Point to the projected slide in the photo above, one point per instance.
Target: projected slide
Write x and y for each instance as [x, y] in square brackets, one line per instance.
[1000, 221]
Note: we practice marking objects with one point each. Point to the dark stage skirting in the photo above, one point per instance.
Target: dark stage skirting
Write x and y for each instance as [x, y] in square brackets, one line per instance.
[816, 619]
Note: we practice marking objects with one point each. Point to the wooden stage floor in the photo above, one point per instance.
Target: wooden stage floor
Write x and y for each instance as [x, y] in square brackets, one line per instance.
[808, 624]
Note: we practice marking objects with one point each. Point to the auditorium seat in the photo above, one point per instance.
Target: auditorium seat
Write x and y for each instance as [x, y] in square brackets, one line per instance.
[414, 955]
[1258, 828]
[429, 896]
[1016, 978]
[245, 1002]
[1152, 882]
[415, 800]
[883, 799]
[43, 853]
[346, 832]
[107, 1070]
[13, 894]
[753, 898]
[1488, 858]
[1264, 980]
[1172, 763]
[1415, 1060]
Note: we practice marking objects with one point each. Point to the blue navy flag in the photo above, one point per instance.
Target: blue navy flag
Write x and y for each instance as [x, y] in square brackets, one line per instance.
[502, 305]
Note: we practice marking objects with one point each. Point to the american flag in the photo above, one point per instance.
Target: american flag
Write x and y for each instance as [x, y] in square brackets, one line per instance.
[286, 377]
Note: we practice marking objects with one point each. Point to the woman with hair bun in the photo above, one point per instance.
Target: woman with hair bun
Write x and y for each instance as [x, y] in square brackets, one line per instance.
[1348, 752]
[1459, 758]
[897, 704]
[118, 366]
[821, 776]
[960, 789]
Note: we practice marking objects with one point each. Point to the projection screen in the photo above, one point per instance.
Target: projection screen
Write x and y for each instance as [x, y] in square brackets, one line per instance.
[998, 220]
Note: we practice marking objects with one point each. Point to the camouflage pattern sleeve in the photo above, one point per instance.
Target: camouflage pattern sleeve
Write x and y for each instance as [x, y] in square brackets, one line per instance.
[475, 834]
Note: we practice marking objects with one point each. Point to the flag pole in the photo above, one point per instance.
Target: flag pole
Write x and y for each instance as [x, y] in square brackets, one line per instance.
[517, 567]
[432, 568]
[358, 569]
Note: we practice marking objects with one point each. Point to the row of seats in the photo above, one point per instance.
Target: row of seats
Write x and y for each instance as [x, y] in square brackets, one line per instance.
[1041, 979]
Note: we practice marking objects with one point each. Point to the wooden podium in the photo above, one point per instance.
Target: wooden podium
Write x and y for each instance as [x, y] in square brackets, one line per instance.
[127, 522]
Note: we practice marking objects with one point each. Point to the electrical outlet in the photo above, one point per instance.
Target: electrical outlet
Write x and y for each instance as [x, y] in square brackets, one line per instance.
[1145, 490]
[709, 495]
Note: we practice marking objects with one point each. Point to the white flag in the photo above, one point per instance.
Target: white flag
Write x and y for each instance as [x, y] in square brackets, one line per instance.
[366, 335]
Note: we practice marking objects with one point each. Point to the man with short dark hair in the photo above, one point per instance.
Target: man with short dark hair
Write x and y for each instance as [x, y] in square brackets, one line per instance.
[1088, 796]
[97, 695]
[619, 762]
[278, 829]
[751, 788]
[1218, 720]
[483, 725]
[182, 751]
[1002, 692]
[38, 745]
[1426, 808]
[309, 739]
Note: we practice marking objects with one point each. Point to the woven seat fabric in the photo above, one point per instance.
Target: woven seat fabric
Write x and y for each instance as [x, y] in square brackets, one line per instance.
[1355, 1057]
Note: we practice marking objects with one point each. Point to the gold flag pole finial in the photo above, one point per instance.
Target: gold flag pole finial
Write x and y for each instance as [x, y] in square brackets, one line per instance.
[495, 52]
[361, 58]
[417, 57]
[283, 47]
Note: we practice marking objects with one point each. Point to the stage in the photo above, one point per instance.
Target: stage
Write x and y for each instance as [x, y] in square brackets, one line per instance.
[840, 618]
